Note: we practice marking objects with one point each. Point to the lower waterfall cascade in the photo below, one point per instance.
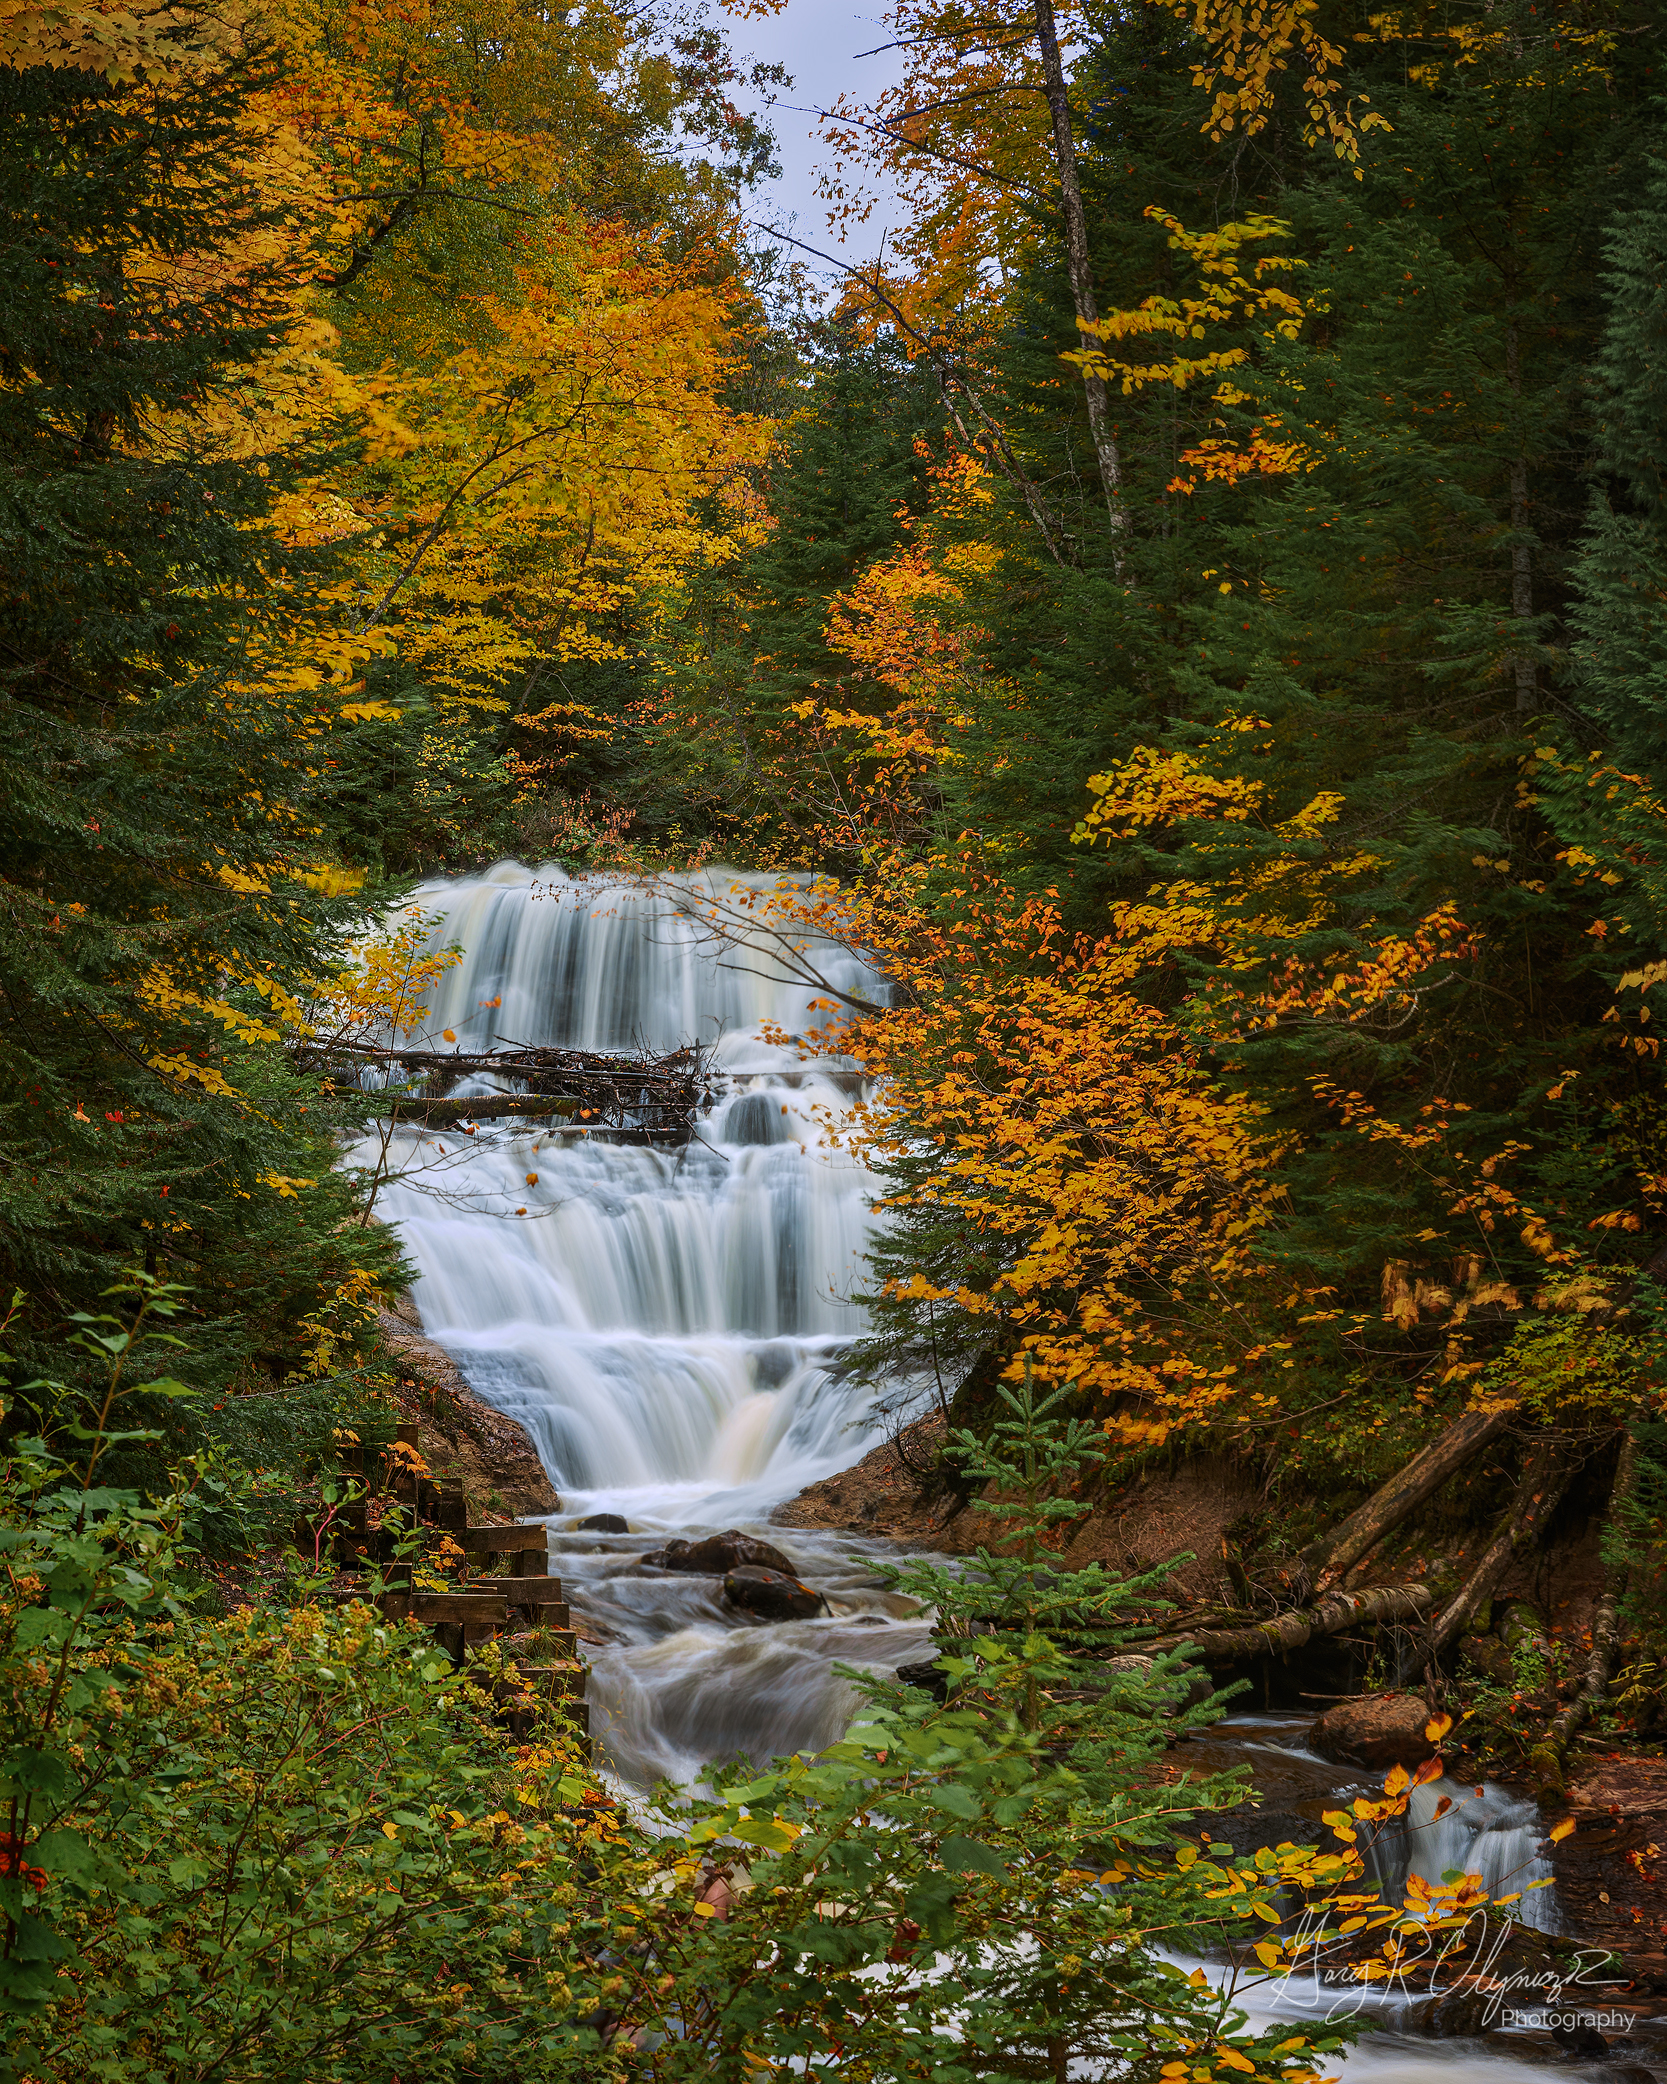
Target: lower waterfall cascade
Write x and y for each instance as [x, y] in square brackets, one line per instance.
[669, 1325]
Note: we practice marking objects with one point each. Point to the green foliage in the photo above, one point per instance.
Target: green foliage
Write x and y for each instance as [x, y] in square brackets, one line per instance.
[1636, 1540]
[1620, 576]
[165, 714]
[288, 1845]
[981, 1890]
[270, 1845]
[718, 755]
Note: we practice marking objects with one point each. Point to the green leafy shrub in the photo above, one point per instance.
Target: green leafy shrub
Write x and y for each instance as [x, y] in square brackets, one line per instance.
[268, 1845]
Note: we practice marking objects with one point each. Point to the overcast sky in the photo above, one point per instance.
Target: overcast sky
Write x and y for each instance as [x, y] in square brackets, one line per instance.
[818, 42]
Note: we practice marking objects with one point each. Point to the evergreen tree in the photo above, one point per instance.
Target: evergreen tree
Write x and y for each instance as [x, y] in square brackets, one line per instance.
[752, 639]
[1620, 576]
[169, 687]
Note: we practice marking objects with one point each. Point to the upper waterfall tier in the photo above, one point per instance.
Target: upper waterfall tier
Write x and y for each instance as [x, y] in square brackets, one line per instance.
[585, 964]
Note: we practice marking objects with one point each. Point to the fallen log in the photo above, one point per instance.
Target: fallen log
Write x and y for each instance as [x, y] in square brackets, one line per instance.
[484, 1108]
[1289, 1631]
[1548, 1756]
[676, 1063]
[1335, 1554]
[1547, 1477]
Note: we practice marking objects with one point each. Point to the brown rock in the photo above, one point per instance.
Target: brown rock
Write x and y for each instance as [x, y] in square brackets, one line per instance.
[718, 1554]
[462, 1436]
[1377, 1730]
[884, 1494]
[770, 1595]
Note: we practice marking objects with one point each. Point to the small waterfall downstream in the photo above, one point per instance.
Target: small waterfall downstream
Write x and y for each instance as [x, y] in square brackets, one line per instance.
[1483, 1830]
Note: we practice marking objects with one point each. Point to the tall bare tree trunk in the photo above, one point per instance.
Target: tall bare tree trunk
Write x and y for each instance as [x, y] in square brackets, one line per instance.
[1548, 1756]
[1082, 275]
[1522, 554]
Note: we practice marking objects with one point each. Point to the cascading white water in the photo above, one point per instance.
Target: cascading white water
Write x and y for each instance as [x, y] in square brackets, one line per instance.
[663, 1322]
[1481, 1830]
[667, 1324]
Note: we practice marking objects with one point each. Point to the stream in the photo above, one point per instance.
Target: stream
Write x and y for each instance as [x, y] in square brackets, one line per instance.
[668, 1325]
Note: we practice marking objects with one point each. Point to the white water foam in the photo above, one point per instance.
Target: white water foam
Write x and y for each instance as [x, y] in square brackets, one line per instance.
[667, 1324]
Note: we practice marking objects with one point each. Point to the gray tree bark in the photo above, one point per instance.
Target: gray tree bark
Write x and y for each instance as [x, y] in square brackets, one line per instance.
[1543, 1483]
[1079, 264]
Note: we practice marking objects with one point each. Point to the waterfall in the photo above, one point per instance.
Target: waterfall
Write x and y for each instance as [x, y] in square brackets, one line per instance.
[668, 1325]
[1485, 1831]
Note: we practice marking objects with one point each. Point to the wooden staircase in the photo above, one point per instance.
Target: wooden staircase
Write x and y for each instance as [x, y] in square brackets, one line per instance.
[502, 1583]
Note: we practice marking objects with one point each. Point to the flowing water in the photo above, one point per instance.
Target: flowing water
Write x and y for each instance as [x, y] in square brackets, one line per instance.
[669, 1326]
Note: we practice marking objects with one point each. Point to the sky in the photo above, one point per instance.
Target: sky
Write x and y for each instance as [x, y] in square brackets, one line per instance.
[818, 41]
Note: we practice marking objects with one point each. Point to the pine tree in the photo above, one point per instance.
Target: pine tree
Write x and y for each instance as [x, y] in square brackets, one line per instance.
[752, 639]
[1620, 576]
[165, 707]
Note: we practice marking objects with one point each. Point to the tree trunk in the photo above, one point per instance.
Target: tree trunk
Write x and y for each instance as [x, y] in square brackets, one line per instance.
[1538, 1495]
[483, 1108]
[1290, 1631]
[1081, 273]
[1337, 1552]
[1522, 552]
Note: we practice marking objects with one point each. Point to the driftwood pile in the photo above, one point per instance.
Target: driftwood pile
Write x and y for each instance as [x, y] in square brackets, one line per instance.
[645, 1098]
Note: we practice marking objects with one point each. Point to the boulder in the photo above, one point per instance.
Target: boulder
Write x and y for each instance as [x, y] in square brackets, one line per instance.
[929, 1676]
[1376, 1730]
[771, 1595]
[718, 1554]
[603, 1523]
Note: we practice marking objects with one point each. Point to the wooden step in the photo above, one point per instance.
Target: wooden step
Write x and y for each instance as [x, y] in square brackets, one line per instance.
[520, 1591]
[520, 1719]
[564, 1681]
[514, 1540]
[480, 1608]
[441, 1502]
[541, 1613]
